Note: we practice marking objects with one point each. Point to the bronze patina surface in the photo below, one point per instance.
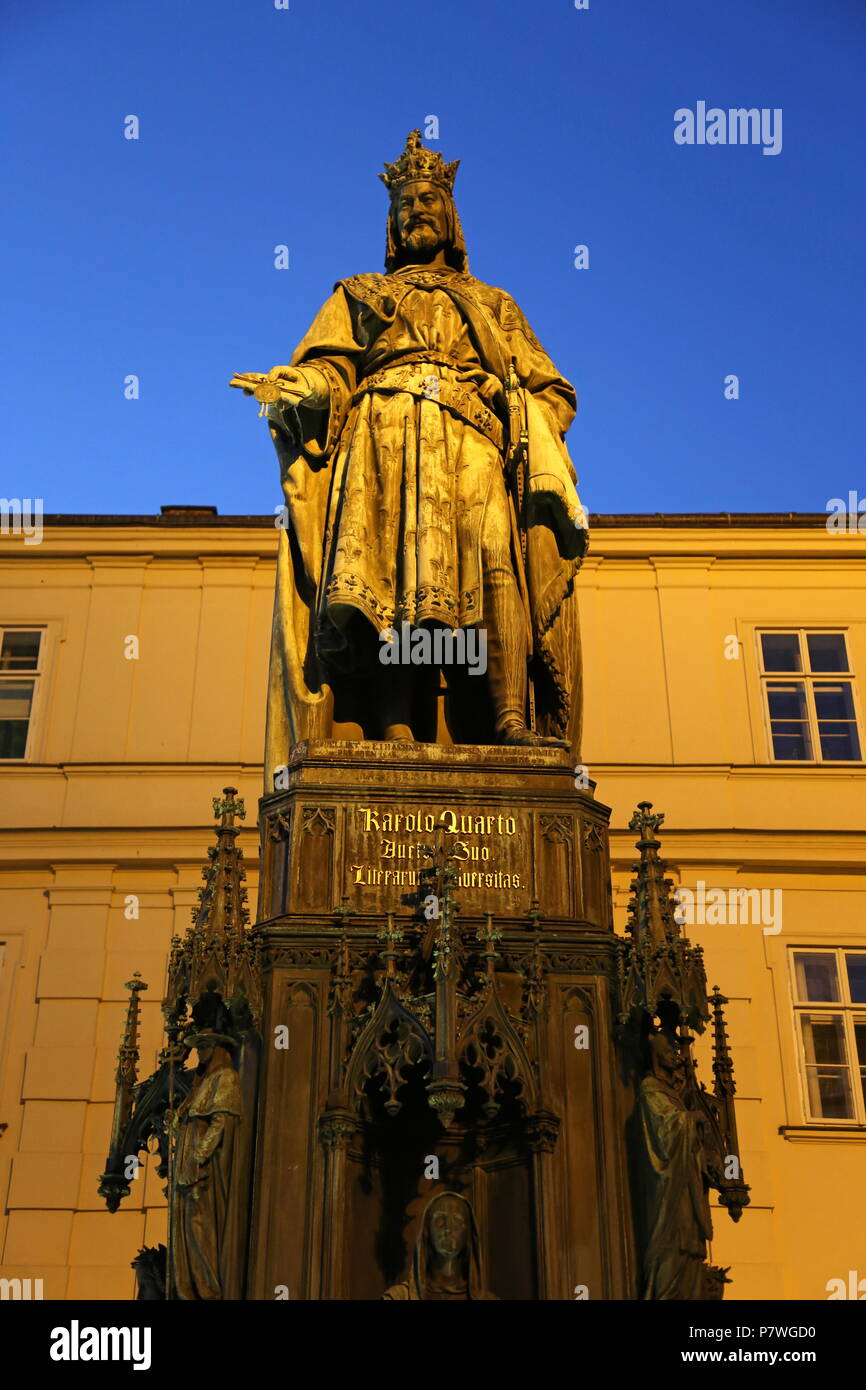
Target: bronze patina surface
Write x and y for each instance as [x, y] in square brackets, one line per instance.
[420, 435]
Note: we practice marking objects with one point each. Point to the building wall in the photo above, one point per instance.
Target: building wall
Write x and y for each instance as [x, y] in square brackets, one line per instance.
[109, 815]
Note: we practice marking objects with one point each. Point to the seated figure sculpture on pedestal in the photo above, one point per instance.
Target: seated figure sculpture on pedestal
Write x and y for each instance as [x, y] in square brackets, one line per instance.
[420, 432]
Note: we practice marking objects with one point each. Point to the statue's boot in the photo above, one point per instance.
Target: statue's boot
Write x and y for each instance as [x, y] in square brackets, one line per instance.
[507, 656]
[398, 733]
[394, 702]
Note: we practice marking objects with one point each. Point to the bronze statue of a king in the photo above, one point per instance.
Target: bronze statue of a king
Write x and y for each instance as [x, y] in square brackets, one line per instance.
[432, 529]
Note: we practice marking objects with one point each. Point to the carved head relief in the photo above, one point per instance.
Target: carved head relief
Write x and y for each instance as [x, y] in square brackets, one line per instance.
[449, 1226]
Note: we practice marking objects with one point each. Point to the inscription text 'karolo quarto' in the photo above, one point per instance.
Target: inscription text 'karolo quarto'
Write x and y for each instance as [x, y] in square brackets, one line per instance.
[451, 821]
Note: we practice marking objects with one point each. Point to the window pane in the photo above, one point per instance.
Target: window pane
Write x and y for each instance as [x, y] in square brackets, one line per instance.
[827, 651]
[816, 976]
[787, 701]
[791, 744]
[16, 697]
[839, 747]
[824, 1040]
[857, 977]
[837, 725]
[859, 1033]
[20, 651]
[827, 1075]
[830, 1094]
[860, 1043]
[781, 651]
[789, 722]
[13, 738]
[834, 700]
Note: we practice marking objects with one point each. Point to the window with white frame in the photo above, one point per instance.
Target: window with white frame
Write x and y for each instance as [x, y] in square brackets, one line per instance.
[829, 988]
[21, 655]
[809, 696]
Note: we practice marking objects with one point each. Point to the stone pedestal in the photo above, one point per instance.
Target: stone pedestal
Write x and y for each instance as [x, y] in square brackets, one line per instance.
[352, 821]
[509, 1042]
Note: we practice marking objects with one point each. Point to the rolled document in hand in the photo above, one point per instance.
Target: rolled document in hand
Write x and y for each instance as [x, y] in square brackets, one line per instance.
[265, 389]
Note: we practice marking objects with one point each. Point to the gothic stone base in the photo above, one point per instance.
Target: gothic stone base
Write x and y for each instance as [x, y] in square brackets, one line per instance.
[340, 1185]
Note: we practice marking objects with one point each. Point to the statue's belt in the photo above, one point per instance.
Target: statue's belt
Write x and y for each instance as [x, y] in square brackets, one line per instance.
[418, 379]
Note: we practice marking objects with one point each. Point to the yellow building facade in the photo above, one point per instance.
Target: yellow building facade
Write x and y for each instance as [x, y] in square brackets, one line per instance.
[724, 670]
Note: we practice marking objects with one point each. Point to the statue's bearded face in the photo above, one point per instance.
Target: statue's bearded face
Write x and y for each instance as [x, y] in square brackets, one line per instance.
[422, 217]
[665, 1051]
[449, 1230]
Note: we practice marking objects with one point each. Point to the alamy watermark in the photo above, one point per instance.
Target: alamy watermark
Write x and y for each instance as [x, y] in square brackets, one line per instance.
[732, 907]
[22, 516]
[462, 646]
[854, 1287]
[21, 1288]
[736, 126]
[847, 517]
[77, 1343]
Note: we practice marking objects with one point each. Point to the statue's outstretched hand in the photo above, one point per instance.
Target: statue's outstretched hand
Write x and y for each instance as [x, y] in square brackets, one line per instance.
[291, 385]
[300, 386]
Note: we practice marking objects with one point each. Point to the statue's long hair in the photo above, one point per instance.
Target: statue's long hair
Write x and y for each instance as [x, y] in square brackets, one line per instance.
[455, 251]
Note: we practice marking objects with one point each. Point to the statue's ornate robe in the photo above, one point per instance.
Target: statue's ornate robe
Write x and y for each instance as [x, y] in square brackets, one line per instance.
[386, 491]
[679, 1209]
[203, 1255]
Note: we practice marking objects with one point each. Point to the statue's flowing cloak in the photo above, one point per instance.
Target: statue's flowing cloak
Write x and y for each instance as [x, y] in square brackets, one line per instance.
[344, 344]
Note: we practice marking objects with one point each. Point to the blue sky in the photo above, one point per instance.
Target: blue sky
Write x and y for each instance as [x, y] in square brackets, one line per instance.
[261, 126]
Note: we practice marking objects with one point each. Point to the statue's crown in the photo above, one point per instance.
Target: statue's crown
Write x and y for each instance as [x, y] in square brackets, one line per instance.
[416, 162]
